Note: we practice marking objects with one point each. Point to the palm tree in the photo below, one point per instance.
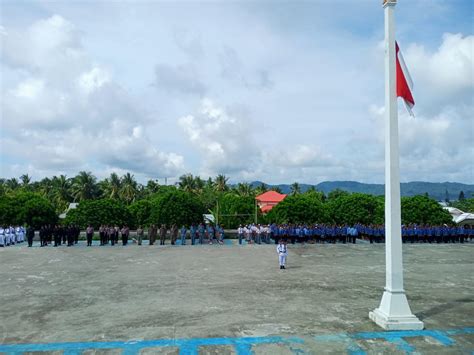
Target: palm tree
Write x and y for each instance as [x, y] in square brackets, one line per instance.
[295, 188]
[84, 186]
[186, 182]
[261, 189]
[129, 189]
[220, 183]
[152, 187]
[199, 185]
[244, 189]
[61, 191]
[45, 187]
[112, 186]
[25, 181]
[209, 183]
[12, 184]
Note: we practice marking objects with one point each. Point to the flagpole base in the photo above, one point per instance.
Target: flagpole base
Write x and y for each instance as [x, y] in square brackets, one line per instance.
[394, 313]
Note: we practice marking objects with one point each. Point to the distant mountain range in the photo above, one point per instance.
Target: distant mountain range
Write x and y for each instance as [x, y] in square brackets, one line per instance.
[436, 190]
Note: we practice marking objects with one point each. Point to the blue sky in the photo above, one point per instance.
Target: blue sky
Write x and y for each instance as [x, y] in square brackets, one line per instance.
[278, 91]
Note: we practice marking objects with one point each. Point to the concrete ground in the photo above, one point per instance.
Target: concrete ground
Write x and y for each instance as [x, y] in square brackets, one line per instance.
[105, 294]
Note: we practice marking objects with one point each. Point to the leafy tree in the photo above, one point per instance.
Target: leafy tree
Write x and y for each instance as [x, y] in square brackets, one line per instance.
[208, 198]
[176, 207]
[235, 210]
[356, 208]
[313, 193]
[423, 210]
[140, 213]
[38, 211]
[26, 208]
[334, 194]
[298, 209]
[466, 205]
[97, 212]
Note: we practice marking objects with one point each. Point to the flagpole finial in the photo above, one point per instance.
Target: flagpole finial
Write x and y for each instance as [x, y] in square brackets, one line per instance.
[389, 3]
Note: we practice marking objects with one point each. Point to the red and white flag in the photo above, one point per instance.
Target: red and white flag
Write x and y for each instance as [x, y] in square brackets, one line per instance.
[404, 83]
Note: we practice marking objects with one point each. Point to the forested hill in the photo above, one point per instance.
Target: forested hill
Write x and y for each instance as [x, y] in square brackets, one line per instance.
[436, 190]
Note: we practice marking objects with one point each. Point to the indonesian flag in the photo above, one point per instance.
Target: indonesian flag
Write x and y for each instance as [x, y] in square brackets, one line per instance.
[404, 83]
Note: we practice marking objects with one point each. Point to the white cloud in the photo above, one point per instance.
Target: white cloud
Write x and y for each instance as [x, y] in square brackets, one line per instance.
[225, 141]
[445, 76]
[67, 113]
[179, 79]
[92, 80]
[287, 91]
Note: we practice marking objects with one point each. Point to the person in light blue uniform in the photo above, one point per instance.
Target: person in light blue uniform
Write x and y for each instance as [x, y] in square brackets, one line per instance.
[182, 233]
[192, 232]
[221, 235]
[201, 233]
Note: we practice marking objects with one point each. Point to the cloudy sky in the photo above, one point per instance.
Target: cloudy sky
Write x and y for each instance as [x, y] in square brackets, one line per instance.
[278, 91]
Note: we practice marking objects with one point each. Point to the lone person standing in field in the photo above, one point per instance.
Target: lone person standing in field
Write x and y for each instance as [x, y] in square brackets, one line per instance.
[282, 253]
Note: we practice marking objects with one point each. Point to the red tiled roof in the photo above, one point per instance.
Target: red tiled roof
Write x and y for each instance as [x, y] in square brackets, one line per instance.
[270, 196]
[266, 208]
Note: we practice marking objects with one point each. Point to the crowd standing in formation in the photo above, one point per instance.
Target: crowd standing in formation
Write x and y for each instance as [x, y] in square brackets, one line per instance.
[11, 235]
[323, 233]
[252, 234]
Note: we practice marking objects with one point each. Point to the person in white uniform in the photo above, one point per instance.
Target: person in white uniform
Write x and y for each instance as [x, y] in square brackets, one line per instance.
[2, 237]
[8, 236]
[282, 252]
[21, 234]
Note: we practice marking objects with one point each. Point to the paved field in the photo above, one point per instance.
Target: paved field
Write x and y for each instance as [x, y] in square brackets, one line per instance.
[229, 299]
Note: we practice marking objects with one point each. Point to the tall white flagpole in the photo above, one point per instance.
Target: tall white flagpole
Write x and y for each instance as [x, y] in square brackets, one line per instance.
[394, 312]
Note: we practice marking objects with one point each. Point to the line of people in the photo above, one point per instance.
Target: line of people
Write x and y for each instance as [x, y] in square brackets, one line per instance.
[196, 233]
[56, 235]
[252, 233]
[110, 235]
[374, 233]
[11, 235]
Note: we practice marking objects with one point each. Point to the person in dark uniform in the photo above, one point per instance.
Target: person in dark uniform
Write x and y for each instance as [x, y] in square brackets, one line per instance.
[152, 234]
[42, 236]
[77, 232]
[174, 234]
[125, 233]
[30, 234]
[102, 234]
[57, 236]
[89, 235]
[162, 234]
[111, 233]
[70, 235]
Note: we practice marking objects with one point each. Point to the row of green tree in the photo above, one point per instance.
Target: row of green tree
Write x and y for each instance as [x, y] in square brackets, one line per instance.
[186, 202]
